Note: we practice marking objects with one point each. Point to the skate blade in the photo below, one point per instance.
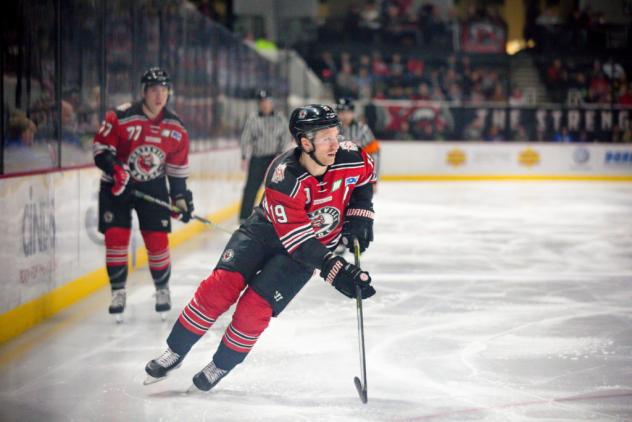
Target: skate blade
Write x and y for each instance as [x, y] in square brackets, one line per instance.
[194, 390]
[118, 318]
[151, 380]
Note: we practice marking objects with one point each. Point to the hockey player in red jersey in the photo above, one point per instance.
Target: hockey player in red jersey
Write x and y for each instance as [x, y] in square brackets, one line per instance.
[140, 147]
[314, 195]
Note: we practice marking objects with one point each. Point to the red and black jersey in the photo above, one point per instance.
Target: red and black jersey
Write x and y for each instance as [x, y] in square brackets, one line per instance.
[307, 212]
[152, 149]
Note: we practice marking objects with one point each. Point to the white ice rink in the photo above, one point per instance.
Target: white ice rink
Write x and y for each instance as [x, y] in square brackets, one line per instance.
[496, 301]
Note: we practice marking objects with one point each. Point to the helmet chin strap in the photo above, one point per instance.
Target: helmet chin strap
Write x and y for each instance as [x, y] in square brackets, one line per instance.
[312, 155]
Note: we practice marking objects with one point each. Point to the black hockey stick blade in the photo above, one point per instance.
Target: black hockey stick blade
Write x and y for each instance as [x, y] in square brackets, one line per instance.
[361, 390]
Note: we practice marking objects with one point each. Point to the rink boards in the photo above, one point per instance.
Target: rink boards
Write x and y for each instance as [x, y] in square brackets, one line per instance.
[52, 253]
[408, 160]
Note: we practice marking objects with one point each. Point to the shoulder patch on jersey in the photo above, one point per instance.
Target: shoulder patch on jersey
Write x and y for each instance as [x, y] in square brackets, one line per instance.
[279, 173]
[348, 146]
[176, 135]
[123, 107]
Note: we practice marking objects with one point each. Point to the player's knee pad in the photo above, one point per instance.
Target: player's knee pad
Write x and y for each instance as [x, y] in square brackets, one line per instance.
[219, 291]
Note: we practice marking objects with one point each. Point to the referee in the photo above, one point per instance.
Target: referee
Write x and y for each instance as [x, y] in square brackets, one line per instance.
[356, 131]
[265, 135]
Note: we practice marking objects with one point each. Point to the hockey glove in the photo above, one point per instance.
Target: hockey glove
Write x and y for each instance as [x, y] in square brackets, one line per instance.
[345, 276]
[358, 224]
[184, 201]
[123, 183]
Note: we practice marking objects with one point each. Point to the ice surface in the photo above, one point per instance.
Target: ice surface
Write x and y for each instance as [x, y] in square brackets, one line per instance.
[496, 301]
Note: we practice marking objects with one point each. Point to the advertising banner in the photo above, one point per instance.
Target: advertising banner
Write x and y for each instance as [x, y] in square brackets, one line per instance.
[433, 120]
[497, 160]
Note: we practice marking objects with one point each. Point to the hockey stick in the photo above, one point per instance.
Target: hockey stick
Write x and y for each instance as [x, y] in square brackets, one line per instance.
[360, 385]
[173, 208]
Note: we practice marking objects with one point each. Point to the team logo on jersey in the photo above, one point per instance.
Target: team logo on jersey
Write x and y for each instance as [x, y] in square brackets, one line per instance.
[176, 135]
[108, 217]
[228, 255]
[279, 173]
[336, 185]
[351, 180]
[324, 220]
[147, 162]
[348, 146]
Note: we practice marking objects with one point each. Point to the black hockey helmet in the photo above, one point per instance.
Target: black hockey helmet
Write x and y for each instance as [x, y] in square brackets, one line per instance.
[345, 104]
[264, 95]
[155, 76]
[307, 120]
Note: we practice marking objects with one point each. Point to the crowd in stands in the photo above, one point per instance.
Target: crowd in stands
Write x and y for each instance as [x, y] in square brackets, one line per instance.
[455, 78]
[580, 80]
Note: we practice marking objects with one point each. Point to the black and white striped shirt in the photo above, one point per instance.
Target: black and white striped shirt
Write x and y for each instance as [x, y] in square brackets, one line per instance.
[265, 135]
[358, 133]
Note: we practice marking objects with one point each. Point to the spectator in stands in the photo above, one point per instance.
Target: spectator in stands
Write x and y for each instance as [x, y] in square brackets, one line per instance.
[69, 124]
[625, 96]
[498, 94]
[379, 68]
[599, 88]
[519, 133]
[476, 95]
[474, 130]
[397, 67]
[21, 130]
[517, 97]
[21, 151]
[326, 67]
[556, 78]
[403, 134]
[563, 135]
[423, 92]
[370, 19]
[346, 84]
[455, 93]
[493, 134]
[429, 22]
[365, 83]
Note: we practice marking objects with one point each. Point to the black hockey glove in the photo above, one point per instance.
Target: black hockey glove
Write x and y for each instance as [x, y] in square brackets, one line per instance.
[345, 276]
[184, 201]
[358, 223]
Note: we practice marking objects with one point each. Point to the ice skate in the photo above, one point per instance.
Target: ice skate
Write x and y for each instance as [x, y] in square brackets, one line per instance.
[118, 304]
[207, 378]
[158, 369]
[163, 302]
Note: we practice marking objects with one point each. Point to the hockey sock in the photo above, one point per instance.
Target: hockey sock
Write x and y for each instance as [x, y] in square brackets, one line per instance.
[116, 246]
[250, 319]
[157, 244]
[213, 297]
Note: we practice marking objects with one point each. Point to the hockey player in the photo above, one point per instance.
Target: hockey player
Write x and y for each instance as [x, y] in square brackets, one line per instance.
[356, 131]
[139, 147]
[314, 194]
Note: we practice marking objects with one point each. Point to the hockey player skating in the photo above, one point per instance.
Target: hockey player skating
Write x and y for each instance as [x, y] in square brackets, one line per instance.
[314, 195]
[139, 147]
